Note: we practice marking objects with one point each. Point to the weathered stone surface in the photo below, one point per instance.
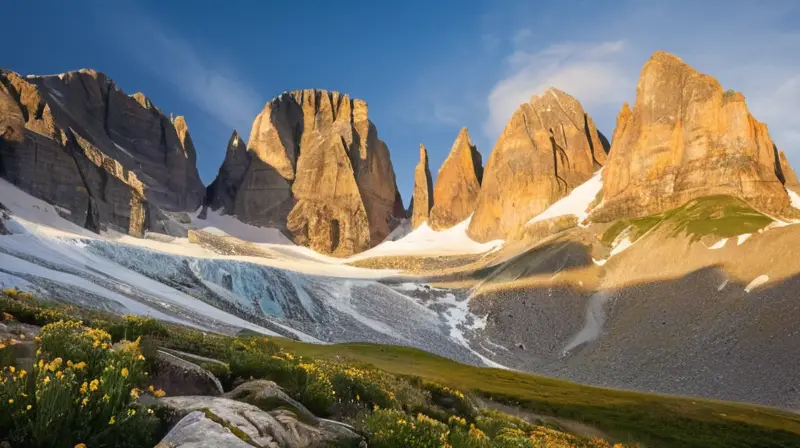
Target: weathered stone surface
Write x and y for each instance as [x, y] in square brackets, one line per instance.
[458, 184]
[549, 147]
[686, 138]
[422, 201]
[790, 180]
[178, 376]
[268, 396]
[317, 170]
[103, 158]
[277, 428]
[196, 430]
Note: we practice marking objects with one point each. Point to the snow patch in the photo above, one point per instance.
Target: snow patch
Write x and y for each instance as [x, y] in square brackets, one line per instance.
[226, 225]
[576, 203]
[425, 241]
[621, 246]
[593, 326]
[742, 238]
[719, 244]
[758, 281]
[722, 285]
[123, 149]
[599, 262]
[794, 198]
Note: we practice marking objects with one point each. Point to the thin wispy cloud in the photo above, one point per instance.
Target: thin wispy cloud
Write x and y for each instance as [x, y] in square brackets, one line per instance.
[203, 79]
[587, 71]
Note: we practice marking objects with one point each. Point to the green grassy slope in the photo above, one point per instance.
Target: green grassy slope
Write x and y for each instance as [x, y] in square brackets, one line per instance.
[722, 216]
[650, 419]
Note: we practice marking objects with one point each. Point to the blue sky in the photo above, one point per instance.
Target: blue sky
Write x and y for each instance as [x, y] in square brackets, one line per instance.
[426, 68]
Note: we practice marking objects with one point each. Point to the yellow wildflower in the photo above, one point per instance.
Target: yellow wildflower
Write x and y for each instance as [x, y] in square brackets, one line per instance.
[69, 363]
[37, 339]
[124, 372]
[11, 401]
[22, 335]
[80, 445]
[106, 398]
[96, 343]
[28, 407]
[22, 373]
[140, 358]
[135, 393]
[80, 366]
[112, 420]
[41, 363]
[151, 388]
[59, 374]
[84, 387]
[85, 401]
[149, 411]
[2, 346]
[358, 398]
[159, 393]
[93, 385]
[131, 412]
[46, 380]
[12, 369]
[104, 346]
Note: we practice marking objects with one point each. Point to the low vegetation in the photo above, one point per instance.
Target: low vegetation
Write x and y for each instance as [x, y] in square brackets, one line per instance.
[395, 396]
[721, 216]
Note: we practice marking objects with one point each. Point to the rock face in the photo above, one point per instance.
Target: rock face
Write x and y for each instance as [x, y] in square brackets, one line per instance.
[221, 193]
[790, 180]
[178, 376]
[208, 420]
[105, 159]
[422, 201]
[318, 170]
[458, 184]
[685, 138]
[549, 147]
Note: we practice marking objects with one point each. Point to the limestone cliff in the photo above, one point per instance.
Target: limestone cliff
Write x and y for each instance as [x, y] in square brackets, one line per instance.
[105, 159]
[422, 201]
[684, 138]
[318, 170]
[458, 184]
[549, 147]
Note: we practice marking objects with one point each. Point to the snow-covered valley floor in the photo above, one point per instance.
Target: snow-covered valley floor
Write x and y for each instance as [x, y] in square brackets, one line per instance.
[297, 293]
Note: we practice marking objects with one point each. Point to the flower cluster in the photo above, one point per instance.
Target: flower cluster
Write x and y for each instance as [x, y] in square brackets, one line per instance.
[79, 386]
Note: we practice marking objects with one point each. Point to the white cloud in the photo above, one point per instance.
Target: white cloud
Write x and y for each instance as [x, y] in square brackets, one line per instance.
[214, 87]
[590, 72]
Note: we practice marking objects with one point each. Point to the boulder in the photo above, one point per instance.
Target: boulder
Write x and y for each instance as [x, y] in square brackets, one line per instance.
[268, 396]
[458, 184]
[422, 201]
[197, 430]
[277, 428]
[105, 159]
[686, 138]
[549, 147]
[317, 170]
[178, 376]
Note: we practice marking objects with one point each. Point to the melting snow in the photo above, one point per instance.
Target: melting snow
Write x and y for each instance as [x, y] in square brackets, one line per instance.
[621, 246]
[795, 198]
[576, 203]
[425, 241]
[758, 281]
[719, 244]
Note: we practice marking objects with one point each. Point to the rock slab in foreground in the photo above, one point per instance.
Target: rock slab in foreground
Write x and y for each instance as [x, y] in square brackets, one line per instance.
[277, 428]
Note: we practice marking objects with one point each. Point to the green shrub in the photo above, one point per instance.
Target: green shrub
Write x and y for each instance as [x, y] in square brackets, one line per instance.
[452, 400]
[90, 398]
[462, 436]
[132, 327]
[389, 428]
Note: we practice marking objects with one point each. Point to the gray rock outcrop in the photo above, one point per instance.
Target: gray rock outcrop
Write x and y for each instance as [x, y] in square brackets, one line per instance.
[103, 158]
